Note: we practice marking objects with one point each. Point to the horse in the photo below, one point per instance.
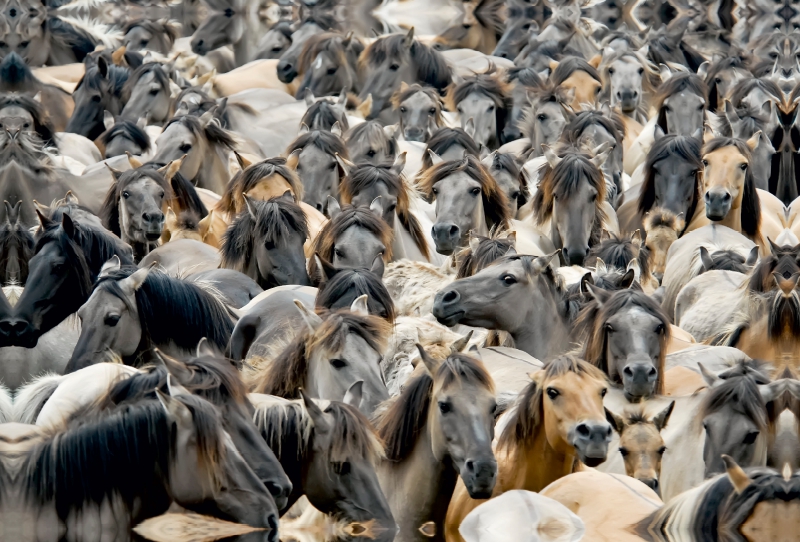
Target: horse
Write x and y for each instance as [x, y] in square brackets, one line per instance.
[439, 429]
[570, 195]
[623, 252]
[313, 155]
[16, 247]
[205, 146]
[467, 198]
[342, 287]
[680, 104]
[313, 22]
[722, 77]
[148, 93]
[353, 237]
[371, 142]
[641, 444]
[329, 452]
[629, 82]
[146, 34]
[544, 121]
[511, 178]
[124, 136]
[486, 99]
[557, 425]
[276, 40]
[540, 325]
[178, 450]
[420, 111]
[448, 144]
[325, 114]
[578, 77]
[99, 90]
[328, 354]
[265, 242]
[132, 311]
[479, 29]
[626, 337]
[523, 82]
[19, 112]
[519, 28]
[661, 228]
[483, 251]
[67, 259]
[672, 182]
[328, 64]
[366, 182]
[389, 60]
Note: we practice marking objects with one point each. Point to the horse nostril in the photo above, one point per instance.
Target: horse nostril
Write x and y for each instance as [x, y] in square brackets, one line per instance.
[583, 430]
[451, 297]
[274, 489]
[470, 466]
[726, 197]
[453, 230]
[146, 217]
[635, 94]
[200, 43]
[619, 95]
[652, 372]
[319, 207]
[627, 371]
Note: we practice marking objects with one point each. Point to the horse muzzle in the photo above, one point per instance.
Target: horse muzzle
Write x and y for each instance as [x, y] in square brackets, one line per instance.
[18, 332]
[628, 100]
[447, 236]
[591, 440]
[639, 378]
[479, 477]
[574, 255]
[286, 71]
[446, 307]
[414, 134]
[718, 204]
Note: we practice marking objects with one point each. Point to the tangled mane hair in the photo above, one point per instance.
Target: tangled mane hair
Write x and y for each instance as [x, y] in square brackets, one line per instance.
[528, 418]
[372, 131]
[612, 124]
[751, 206]
[212, 131]
[570, 65]
[487, 251]
[232, 201]
[444, 138]
[592, 324]
[363, 282]
[495, 203]
[782, 260]
[284, 375]
[323, 114]
[431, 67]
[288, 430]
[349, 216]
[737, 60]
[748, 85]
[612, 280]
[618, 251]
[401, 423]
[14, 236]
[41, 122]
[160, 76]
[525, 76]
[679, 82]
[506, 161]
[688, 148]
[659, 217]
[491, 84]
[364, 176]
[326, 142]
[162, 28]
[129, 130]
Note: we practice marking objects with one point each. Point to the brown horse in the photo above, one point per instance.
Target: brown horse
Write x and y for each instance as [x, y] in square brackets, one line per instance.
[662, 228]
[557, 425]
[578, 77]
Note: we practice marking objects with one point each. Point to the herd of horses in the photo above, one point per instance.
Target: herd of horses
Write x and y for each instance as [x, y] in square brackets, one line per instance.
[405, 270]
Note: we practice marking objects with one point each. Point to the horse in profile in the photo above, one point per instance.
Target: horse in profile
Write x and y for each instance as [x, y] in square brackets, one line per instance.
[99, 90]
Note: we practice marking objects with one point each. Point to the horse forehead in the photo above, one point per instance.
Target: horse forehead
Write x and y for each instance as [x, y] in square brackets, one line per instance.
[476, 99]
[582, 80]
[15, 111]
[175, 132]
[357, 234]
[596, 133]
[312, 154]
[772, 519]
[374, 190]
[673, 166]
[144, 185]
[633, 316]
[641, 435]
[457, 182]
[683, 98]
[579, 389]
[454, 152]
[418, 100]
[102, 300]
[725, 158]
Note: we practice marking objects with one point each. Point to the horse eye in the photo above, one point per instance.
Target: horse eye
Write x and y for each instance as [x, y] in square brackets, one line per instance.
[705, 163]
[490, 108]
[475, 191]
[603, 392]
[331, 71]
[610, 71]
[370, 153]
[338, 363]
[432, 111]
[111, 320]
[143, 43]
[552, 393]
[444, 407]
[26, 125]
[332, 166]
[338, 253]
[3, 45]
[773, 55]
[508, 280]
[610, 328]
[402, 109]
[24, 44]
[96, 98]
[541, 118]
[743, 167]
[597, 90]
[153, 91]
[660, 328]
[394, 67]
[624, 452]
[269, 245]
[662, 450]
[750, 437]
[342, 468]
[435, 191]
[185, 148]
[515, 195]
[161, 195]
[717, 80]
[277, 49]
[126, 195]
[667, 108]
[641, 71]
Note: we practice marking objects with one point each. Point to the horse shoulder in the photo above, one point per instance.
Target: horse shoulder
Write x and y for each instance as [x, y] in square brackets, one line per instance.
[79, 148]
[531, 239]
[679, 339]
[707, 302]
[682, 381]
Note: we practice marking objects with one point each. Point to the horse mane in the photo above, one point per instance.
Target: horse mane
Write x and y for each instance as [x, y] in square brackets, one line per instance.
[63, 469]
[323, 18]
[365, 175]
[128, 129]
[372, 130]
[545, 93]
[232, 201]
[570, 65]
[116, 79]
[336, 226]
[562, 181]
[746, 86]
[326, 142]
[679, 82]
[404, 94]
[41, 121]
[364, 282]
[525, 76]
[659, 217]
[753, 119]
[737, 60]
[592, 320]
[618, 251]
[154, 27]
[495, 202]
[508, 162]
[687, 148]
[401, 423]
[323, 115]
[742, 394]
[612, 124]
[444, 138]
[274, 221]
[284, 375]
[488, 251]
[331, 42]
[431, 67]
[28, 152]
[109, 211]
[160, 76]
[352, 437]
[173, 311]
[184, 194]
[728, 260]
[526, 420]
[212, 130]
[611, 281]
[751, 205]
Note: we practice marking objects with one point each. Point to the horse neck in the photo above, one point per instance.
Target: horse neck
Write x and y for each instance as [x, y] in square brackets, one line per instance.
[213, 173]
[403, 244]
[544, 332]
[245, 49]
[418, 488]
[480, 224]
[534, 467]
[140, 250]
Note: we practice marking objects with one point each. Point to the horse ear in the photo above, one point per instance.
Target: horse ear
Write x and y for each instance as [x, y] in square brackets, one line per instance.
[586, 279]
[38, 97]
[376, 207]
[116, 174]
[171, 220]
[665, 72]
[616, 421]
[135, 281]
[293, 159]
[710, 378]
[118, 56]
[133, 161]
[739, 479]
[569, 97]
[204, 348]
[661, 419]
[174, 367]
[365, 107]
[601, 154]
[552, 158]
[336, 129]
[244, 163]
[430, 363]
[344, 163]
[754, 140]
[326, 267]
[312, 320]
[460, 344]
[378, 266]
[773, 390]
[598, 294]
[399, 163]
[359, 306]
[141, 122]
[705, 258]
[408, 41]
[304, 129]
[435, 158]
[342, 101]
[287, 196]
[108, 119]
[69, 199]
[102, 67]
[321, 425]
[474, 241]
[110, 266]
[774, 248]
[600, 267]
[633, 269]
[542, 262]
[176, 411]
[354, 394]
[469, 127]
[333, 207]
[174, 388]
[68, 225]
[346, 40]
[512, 236]
[251, 207]
[752, 257]
[594, 62]
[391, 131]
[702, 69]
[553, 65]
[174, 90]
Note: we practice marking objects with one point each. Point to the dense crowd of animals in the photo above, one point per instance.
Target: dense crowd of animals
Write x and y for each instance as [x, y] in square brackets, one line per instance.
[400, 270]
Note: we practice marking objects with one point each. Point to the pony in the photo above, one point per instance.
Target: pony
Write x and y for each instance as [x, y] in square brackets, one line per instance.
[523, 82]
[342, 287]
[259, 181]
[483, 251]
[265, 242]
[420, 111]
[570, 195]
[389, 60]
[680, 104]
[580, 78]
[16, 247]
[99, 90]
[439, 429]
[328, 64]
[629, 82]
[148, 93]
[544, 121]
[314, 21]
[486, 99]
[313, 155]
[479, 29]
[325, 114]
[467, 198]
[622, 252]
[449, 144]
[124, 136]
[723, 76]
[20, 112]
[371, 142]
[132, 311]
[146, 34]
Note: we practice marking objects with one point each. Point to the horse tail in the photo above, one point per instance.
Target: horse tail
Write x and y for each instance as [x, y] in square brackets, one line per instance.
[31, 398]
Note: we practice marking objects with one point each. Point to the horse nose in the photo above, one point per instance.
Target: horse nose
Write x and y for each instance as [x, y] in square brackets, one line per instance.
[414, 134]
[511, 133]
[479, 476]
[652, 483]
[718, 203]
[285, 71]
[156, 216]
[451, 298]
[574, 256]
[591, 440]
[639, 378]
[446, 235]
[279, 492]
[14, 327]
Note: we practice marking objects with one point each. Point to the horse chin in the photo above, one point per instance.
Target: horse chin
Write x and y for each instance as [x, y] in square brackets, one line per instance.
[592, 461]
[449, 320]
[152, 236]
